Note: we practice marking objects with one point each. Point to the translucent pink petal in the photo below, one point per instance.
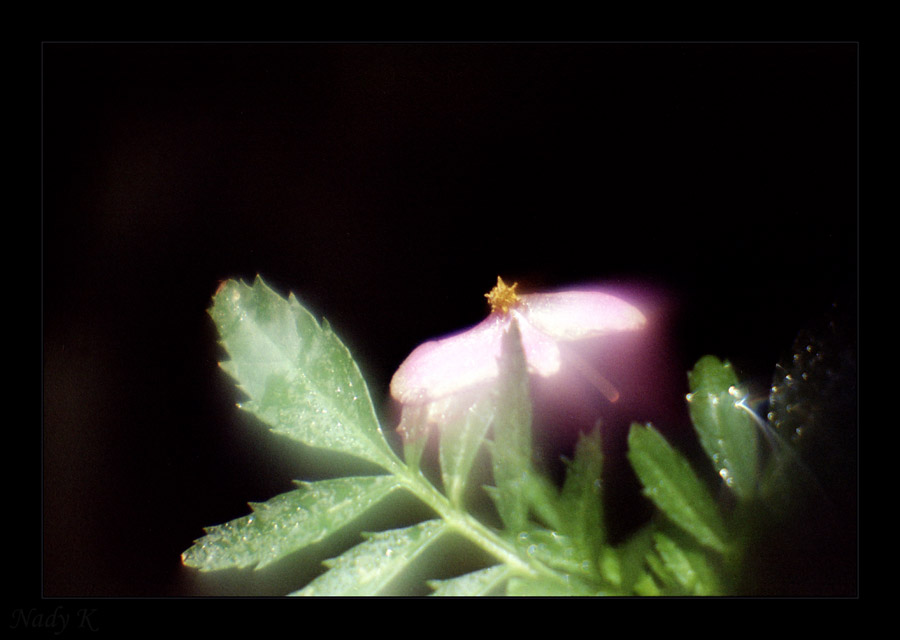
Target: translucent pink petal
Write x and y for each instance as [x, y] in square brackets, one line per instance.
[440, 367]
[575, 315]
[541, 351]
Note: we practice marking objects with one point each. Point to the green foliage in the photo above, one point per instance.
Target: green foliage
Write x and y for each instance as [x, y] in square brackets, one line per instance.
[683, 568]
[582, 499]
[300, 378]
[511, 453]
[461, 439]
[483, 582]
[670, 482]
[369, 568]
[623, 567]
[287, 523]
[724, 424]
[541, 540]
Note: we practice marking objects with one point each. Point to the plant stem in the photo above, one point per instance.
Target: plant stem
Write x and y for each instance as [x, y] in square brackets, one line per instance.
[472, 529]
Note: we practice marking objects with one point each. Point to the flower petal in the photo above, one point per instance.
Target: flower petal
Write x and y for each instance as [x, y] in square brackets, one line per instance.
[575, 315]
[440, 367]
[541, 350]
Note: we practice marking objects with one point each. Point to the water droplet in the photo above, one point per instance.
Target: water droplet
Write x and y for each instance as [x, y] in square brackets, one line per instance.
[726, 476]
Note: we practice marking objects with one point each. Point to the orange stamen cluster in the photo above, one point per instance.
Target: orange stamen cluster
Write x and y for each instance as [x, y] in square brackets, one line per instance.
[502, 297]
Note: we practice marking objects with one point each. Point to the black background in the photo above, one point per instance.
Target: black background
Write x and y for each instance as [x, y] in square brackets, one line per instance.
[388, 185]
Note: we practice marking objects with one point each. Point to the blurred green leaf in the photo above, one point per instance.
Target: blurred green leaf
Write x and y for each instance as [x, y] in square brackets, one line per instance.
[686, 567]
[547, 586]
[512, 448]
[646, 586]
[622, 566]
[300, 378]
[726, 429]
[478, 583]
[469, 417]
[671, 484]
[543, 500]
[581, 498]
[711, 375]
[414, 429]
[369, 568]
[287, 523]
[553, 549]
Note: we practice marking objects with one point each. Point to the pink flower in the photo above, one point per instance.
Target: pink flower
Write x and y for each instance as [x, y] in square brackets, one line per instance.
[442, 367]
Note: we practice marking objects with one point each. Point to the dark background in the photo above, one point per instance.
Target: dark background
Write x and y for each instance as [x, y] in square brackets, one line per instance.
[388, 185]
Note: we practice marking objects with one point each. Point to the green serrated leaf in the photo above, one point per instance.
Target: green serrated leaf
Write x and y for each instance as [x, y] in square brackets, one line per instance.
[369, 568]
[512, 448]
[622, 566]
[553, 550]
[673, 487]
[581, 498]
[461, 438]
[688, 567]
[287, 523]
[415, 430]
[542, 498]
[300, 378]
[712, 375]
[646, 586]
[478, 583]
[547, 586]
[726, 429]
[664, 580]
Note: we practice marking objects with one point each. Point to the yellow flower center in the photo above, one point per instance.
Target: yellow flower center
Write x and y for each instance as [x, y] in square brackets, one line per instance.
[502, 297]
